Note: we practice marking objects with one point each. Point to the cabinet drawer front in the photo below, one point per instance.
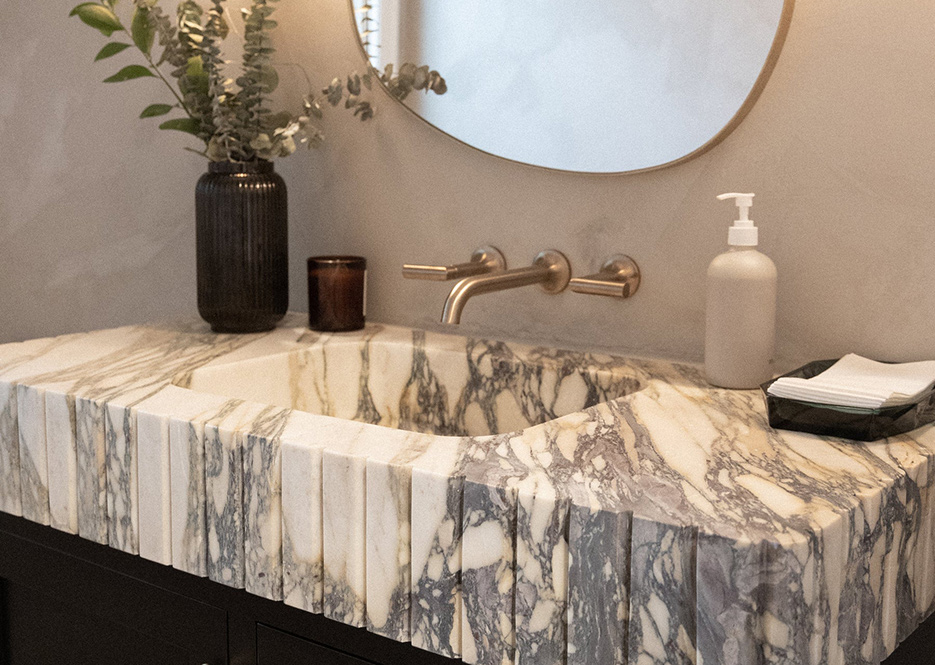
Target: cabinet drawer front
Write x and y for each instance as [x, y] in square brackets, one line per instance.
[274, 647]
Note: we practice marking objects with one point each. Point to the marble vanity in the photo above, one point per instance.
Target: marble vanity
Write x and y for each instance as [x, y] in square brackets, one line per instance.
[484, 501]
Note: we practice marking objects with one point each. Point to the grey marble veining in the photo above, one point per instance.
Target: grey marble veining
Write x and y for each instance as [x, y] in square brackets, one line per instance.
[302, 578]
[662, 594]
[436, 563]
[262, 512]
[62, 459]
[750, 606]
[15, 361]
[225, 442]
[302, 558]
[91, 456]
[388, 550]
[121, 478]
[10, 500]
[344, 535]
[187, 431]
[33, 460]
[189, 542]
[542, 533]
[598, 583]
[505, 503]
[224, 508]
[437, 385]
[488, 560]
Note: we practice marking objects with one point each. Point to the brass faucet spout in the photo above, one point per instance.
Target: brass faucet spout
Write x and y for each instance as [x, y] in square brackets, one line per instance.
[550, 269]
[469, 287]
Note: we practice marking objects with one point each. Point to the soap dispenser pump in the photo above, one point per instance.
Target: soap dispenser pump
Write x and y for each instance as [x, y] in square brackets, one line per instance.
[740, 313]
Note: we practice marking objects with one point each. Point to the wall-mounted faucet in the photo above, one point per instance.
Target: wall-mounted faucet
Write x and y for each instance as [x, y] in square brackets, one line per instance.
[550, 269]
[486, 272]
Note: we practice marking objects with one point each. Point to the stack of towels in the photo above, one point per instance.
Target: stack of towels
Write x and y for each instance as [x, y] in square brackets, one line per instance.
[860, 383]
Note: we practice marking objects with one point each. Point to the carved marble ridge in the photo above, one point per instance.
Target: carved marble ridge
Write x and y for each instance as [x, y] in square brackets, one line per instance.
[486, 501]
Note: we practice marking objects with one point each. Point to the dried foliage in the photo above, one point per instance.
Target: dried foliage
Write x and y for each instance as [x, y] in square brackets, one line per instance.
[232, 118]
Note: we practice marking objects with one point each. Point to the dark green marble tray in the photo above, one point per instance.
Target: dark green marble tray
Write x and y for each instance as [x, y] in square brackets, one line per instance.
[844, 421]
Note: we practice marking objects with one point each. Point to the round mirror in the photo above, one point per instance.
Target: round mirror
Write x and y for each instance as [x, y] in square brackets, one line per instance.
[594, 85]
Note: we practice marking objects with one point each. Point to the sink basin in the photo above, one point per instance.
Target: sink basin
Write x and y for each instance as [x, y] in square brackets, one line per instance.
[425, 382]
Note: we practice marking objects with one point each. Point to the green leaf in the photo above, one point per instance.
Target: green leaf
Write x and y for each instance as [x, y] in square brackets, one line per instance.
[111, 49]
[98, 17]
[437, 83]
[277, 120]
[128, 73]
[187, 125]
[364, 110]
[154, 110]
[195, 80]
[334, 92]
[268, 79]
[141, 30]
[421, 77]
[312, 106]
[196, 66]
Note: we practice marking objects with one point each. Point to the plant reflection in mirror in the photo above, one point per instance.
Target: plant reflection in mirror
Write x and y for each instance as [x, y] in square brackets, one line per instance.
[232, 117]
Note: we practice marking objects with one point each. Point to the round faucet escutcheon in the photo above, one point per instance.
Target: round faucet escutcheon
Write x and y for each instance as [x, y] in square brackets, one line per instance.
[559, 270]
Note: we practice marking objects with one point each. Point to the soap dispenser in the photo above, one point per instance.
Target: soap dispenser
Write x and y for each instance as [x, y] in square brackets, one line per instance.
[740, 315]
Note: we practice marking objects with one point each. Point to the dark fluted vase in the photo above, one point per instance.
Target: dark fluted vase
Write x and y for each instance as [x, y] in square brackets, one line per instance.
[242, 245]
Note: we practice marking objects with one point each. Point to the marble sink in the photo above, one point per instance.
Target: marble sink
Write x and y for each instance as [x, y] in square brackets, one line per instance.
[438, 384]
[492, 502]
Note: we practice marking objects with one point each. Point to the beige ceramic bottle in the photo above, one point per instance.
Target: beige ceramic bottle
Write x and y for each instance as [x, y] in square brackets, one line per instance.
[740, 315]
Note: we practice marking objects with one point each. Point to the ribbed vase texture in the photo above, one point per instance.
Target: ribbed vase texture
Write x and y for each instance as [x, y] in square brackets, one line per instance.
[242, 245]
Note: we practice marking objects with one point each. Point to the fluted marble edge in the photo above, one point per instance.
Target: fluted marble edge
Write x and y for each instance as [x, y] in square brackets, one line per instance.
[668, 526]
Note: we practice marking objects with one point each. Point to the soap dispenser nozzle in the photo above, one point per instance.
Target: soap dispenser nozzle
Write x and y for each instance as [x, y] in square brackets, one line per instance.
[743, 233]
[744, 203]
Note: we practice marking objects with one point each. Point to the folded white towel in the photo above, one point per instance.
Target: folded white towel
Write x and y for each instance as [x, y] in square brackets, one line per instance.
[859, 382]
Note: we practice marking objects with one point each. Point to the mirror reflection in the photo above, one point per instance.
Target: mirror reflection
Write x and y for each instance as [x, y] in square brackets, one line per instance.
[594, 85]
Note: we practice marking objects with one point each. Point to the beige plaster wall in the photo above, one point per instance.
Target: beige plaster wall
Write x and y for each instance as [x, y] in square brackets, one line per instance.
[96, 207]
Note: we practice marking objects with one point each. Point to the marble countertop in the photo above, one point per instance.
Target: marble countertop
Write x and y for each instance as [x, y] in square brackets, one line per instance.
[670, 525]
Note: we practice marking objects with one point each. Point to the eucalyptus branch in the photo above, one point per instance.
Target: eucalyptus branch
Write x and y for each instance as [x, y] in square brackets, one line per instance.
[367, 28]
[259, 78]
[410, 78]
[189, 59]
[148, 21]
[232, 118]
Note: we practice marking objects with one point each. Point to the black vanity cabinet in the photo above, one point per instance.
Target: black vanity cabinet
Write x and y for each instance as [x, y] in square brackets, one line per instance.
[65, 600]
[60, 607]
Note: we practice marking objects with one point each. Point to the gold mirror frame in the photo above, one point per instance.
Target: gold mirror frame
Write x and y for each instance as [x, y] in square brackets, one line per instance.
[785, 20]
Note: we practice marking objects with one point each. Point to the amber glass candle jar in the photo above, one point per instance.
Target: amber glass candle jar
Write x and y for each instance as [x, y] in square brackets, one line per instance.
[337, 293]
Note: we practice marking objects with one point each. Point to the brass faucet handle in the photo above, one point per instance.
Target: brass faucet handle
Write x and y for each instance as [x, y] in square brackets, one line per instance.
[619, 277]
[483, 260]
